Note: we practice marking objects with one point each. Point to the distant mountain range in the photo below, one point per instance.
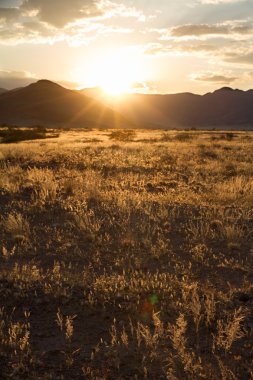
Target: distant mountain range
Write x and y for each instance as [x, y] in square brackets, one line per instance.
[224, 108]
[49, 104]
[2, 90]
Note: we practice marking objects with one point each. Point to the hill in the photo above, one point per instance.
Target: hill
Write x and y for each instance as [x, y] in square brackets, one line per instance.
[224, 108]
[50, 104]
[2, 90]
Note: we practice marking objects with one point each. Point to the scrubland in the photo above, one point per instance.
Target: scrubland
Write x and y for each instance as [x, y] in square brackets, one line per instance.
[127, 255]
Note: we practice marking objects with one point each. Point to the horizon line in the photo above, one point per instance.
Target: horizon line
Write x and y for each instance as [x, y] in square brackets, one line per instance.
[80, 89]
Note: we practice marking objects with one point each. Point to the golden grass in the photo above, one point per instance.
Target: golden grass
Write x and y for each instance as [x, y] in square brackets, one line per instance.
[127, 255]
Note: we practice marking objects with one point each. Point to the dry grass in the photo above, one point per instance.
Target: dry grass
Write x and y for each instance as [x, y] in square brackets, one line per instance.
[127, 255]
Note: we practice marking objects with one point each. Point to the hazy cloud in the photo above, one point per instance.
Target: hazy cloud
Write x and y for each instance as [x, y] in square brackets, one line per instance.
[144, 87]
[9, 14]
[10, 79]
[246, 58]
[207, 29]
[61, 12]
[200, 48]
[76, 21]
[155, 48]
[215, 2]
[10, 3]
[213, 78]
[197, 30]
[177, 47]
[13, 79]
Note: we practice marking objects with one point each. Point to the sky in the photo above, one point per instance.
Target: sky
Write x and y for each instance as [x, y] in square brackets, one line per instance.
[147, 46]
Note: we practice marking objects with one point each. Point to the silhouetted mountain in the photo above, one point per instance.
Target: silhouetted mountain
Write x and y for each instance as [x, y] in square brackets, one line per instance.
[2, 90]
[93, 92]
[224, 108]
[47, 103]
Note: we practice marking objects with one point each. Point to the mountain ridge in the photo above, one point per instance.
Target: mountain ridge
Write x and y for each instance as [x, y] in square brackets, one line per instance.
[223, 108]
[3, 90]
[48, 103]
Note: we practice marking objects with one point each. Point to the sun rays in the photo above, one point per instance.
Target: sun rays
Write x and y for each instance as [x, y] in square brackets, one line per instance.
[114, 71]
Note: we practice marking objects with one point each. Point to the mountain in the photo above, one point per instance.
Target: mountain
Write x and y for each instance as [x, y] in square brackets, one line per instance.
[94, 92]
[224, 108]
[49, 104]
[2, 90]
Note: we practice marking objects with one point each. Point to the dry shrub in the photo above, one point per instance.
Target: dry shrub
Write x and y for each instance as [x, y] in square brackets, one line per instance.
[17, 226]
[43, 184]
[13, 135]
[230, 330]
[11, 178]
[124, 135]
[183, 137]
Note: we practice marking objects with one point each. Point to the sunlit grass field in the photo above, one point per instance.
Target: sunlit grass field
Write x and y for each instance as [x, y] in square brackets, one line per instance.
[127, 255]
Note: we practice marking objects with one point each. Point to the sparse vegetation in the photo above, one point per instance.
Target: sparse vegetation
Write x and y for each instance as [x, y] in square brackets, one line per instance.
[123, 135]
[127, 255]
[12, 134]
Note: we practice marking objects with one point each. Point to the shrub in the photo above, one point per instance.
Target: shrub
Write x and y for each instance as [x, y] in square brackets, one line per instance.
[123, 135]
[183, 137]
[17, 226]
[12, 135]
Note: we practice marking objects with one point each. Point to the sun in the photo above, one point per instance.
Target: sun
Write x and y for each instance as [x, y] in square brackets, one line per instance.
[115, 72]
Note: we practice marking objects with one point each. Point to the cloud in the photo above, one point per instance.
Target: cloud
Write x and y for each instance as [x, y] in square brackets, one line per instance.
[198, 47]
[31, 31]
[144, 87]
[77, 21]
[246, 58]
[61, 12]
[211, 29]
[197, 30]
[232, 49]
[213, 78]
[12, 79]
[9, 14]
[227, 42]
[215, 2]
[155, 49]
[182, 48]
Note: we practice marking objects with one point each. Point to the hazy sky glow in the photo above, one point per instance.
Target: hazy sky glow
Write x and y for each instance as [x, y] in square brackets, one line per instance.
[159, 46]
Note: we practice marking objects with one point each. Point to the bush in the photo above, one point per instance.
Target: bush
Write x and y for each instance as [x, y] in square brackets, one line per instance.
[183, 137]
[12, 135]
[123, 135]
[229, 136]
